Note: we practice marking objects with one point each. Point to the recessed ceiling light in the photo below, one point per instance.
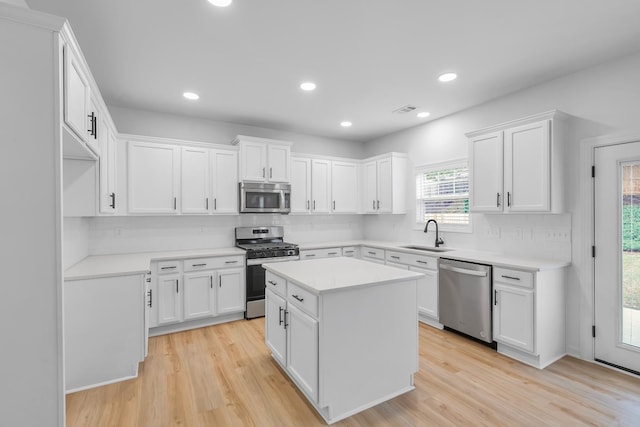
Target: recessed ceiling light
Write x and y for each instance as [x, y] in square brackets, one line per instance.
[346, 124]
[424, 114]
[220, 3]
[191, 96]
[308, 86]
[447, 77]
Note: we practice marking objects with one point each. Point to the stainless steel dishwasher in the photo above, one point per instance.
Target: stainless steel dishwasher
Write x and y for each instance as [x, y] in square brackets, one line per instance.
[465, 298]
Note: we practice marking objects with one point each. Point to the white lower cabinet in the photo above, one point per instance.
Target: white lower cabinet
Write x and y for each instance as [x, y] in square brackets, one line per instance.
[275, 332]
[529, 315]
[104, 330]
[372, 254]
[208, 288]
[302, 350]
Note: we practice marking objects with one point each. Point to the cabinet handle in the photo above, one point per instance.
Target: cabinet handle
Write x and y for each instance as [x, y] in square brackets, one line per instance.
[307, 205]
[378, 207]
[510, 277]
[215, 204]
[372, 253]
[198, 265]
[177, 290]
[498, 200]
[271, 282]
[314, 205]
[422, 262]
[280, 315]
[150, 294]
[175, 203]
[270, 172]
[230, 262]
[348, 252]
[263, 169]
[309, 255]
[332, 253]
[373, 206]
[168, 268]
[220, 281]
[211, 281]
[207, 203]
[94, 126]
[298, 298]
[285, 319]
[495, 297]
[334, 205]
[394, 257]
[113, 200]
[508, 198]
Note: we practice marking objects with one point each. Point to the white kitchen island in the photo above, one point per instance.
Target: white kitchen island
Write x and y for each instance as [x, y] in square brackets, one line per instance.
[344, 330]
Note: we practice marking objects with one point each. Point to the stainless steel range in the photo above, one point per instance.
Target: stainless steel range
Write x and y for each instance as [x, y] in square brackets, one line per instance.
[263, 245]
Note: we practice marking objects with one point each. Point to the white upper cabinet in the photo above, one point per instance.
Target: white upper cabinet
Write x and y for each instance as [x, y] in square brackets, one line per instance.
[516, 167]
[344, 187]
[300, 185]
[320, 186]
[384, 183]
[76, 94]
[108, 196]
[264, 160]
[224, 185]
[195, 182]
[153, 177]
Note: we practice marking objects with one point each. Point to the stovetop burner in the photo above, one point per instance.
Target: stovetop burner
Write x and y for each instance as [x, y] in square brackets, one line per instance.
[264, 242]
[267, 246]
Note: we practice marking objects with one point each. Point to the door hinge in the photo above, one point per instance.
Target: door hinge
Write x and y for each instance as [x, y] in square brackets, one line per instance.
[593, 171]
[593, 251]
[593, 331]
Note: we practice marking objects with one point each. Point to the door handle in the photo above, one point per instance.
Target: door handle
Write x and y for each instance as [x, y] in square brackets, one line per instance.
[495, 297]
[498, 200]
[307, 205]
[373, 206]
[285, 319]
[314, 205]
[207, 203]
[175, 203]
[215, 204]
[334, 205]
[177, 290]
[150, 303]
[211, 281]
[263, 172]
[270, 172]
[378, 205]
[280, 316]
[220, 281]
[113, 200]
[508, 198]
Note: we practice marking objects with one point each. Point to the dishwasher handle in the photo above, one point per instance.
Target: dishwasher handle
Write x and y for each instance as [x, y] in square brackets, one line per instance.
[464, 271]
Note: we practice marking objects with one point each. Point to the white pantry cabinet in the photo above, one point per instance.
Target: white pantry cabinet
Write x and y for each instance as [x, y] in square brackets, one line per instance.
[384, 184]
[516, 167]
[264, 160]
[529, 315]
[153, 177]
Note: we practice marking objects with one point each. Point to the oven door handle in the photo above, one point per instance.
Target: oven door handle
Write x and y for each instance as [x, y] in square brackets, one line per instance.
[464, 271]
[260, 261]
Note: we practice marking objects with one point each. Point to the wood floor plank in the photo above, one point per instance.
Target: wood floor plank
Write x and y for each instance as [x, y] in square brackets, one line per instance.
[223, 375]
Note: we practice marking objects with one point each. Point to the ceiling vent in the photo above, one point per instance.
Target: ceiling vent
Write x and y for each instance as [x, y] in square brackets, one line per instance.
[405, 109]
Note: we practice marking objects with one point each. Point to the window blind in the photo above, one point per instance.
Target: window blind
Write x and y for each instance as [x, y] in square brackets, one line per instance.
[443, 194]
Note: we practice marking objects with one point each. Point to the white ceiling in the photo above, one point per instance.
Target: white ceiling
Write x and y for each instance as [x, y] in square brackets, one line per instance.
[368, 57]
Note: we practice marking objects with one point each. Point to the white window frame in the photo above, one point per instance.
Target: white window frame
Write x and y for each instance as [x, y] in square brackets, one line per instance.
[433, 167]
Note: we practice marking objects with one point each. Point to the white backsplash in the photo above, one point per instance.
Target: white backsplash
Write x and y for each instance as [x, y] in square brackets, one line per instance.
[75, 244]
[109, 235]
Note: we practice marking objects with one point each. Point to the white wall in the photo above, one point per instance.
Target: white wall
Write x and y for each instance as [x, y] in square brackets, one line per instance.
[75, 240]
[139, 122]
[20, 3]
[603, 100]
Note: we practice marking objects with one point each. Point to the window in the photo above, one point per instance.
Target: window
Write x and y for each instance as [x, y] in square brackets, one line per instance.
[442, 193]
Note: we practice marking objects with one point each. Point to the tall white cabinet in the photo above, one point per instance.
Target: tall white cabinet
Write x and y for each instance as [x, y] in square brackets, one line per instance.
[516, 167]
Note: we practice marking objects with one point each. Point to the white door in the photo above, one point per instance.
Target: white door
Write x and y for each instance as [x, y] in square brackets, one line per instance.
[300, 185]
[198, 295]
[169, 299]
[527, 163]
[370, 187]
[253, 161]
[195, 180]
[153, 177]
[384, 204]
[344, 187]
[224, 171]
[108, 202]
[231, 291]
[278, 157]
[302, 350]
[427, 292]
[617, 260]
[513, 316]
[76, 95]
[275, 332]
[486, 173]
[321, 186]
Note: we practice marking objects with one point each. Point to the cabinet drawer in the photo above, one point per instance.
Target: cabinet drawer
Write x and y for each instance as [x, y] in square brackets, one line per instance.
[276, 283]
[213, 263]
[513, 277]
[165, 267]
[430, 263]
[320, 253]
[303, 299]
[369, 252]
[349, 251]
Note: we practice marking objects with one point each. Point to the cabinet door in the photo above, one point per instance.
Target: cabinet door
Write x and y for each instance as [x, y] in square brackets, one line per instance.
[169, 299]
[224, 172]
[275, 332]
[485, 173]
[385, 186]
[302, 351]
[344, 187]
[195, 180]
[300, 185]
[427, 292]
[370, 187]
[321, 186]
[153, 176]
[527, 178]
[153, 303]
[76, 95]
[253, 161]
[231, 287]
[513, 316]
[198, 295]
[279, 163]
[107, 164]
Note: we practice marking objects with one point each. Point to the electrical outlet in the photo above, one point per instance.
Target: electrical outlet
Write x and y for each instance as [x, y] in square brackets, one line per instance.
[492, 233]
[558, 235]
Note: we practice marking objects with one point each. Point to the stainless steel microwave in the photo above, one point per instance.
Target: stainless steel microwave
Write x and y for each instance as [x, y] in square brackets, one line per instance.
[258, 197]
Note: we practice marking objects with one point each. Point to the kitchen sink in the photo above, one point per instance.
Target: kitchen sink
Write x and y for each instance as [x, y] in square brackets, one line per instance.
[426, 248]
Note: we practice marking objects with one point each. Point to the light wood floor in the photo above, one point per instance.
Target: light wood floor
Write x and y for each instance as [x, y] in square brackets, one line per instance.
[224, 376]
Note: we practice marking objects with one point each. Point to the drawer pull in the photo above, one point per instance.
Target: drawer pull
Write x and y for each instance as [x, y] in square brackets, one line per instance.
[511, 277]
[372, 253]
[422, 262]
[198, 265]
[271, 282]
[230, 262]
[348, 252]
[332, 253]
[394, 257]
[309, 255]
[168, 268]
[298, 298]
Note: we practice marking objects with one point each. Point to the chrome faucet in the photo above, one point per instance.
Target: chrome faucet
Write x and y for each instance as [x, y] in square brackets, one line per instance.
[439, 241]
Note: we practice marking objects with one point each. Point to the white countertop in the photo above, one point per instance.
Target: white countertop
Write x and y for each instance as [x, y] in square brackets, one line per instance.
[334, 274]
[136, 263]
